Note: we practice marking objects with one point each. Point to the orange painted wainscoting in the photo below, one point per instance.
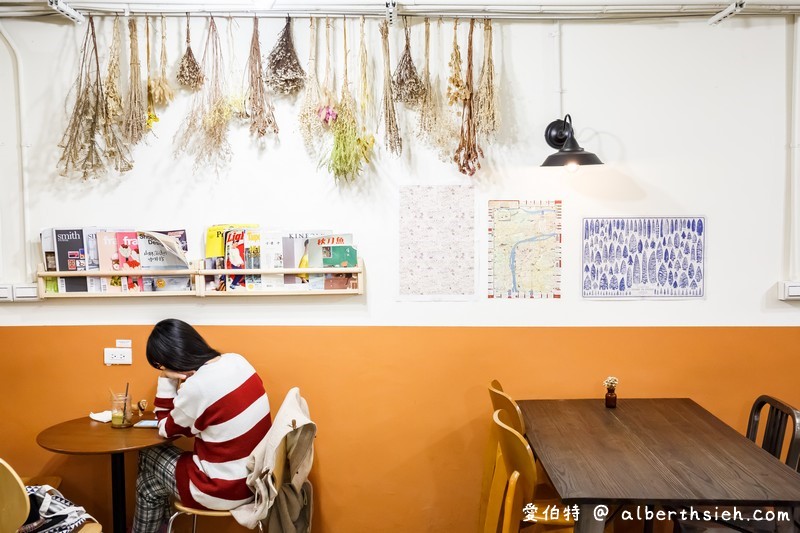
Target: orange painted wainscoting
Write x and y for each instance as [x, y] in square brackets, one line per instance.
[402, 412]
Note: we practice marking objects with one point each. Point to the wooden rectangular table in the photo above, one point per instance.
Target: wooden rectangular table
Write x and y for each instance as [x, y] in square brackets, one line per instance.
[651, 452]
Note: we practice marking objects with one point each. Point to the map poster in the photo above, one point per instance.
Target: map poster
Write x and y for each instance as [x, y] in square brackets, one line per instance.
[641, 257]
[524, 249]
[437, 242]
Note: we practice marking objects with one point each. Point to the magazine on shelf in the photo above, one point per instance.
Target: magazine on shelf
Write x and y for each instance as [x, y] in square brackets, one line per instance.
[48, 258]
[92, 258]
[252, 258]
[70, 257]
[128, 250]
[234, 258]
[319, 254]
[109, 261]
[272, 257]
[162, 251]
[215, 252]
[295, 255]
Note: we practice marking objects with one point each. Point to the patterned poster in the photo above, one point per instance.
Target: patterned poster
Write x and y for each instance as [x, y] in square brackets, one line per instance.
[437, 241]
[524, 249]
[643, 257]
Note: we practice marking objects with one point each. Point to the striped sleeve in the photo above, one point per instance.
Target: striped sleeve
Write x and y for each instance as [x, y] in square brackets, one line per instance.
[164, 409]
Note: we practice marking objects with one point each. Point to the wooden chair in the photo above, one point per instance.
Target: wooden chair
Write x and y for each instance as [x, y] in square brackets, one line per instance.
[15, 505]
[501, 400]
[513, 485]
[278, 472]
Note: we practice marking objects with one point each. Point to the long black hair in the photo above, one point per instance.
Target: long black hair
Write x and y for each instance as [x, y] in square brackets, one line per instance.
[176, 345]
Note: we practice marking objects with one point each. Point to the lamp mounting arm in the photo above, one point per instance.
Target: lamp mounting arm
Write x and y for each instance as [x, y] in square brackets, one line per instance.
[558, 131]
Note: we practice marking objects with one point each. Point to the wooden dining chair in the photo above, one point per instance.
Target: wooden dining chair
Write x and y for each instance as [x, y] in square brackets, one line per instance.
[181, 509]
[513, 483]
[501, 400]
[15, 505]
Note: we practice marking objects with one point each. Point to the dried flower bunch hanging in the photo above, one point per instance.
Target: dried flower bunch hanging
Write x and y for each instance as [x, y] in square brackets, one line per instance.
[152, 118]
[345, 160]
[91, 141]
[366, 141]
[237, 92]
[487, 118]
[392, 140]
[310, 125]
[407, 85]
[205, 131]
[468, 151]
[436, 127]
[114, 108]
[190, 74]
[135, 112]
[327, 112]
[159, 87]
[284, 72]
[259, 104]
[456, 88]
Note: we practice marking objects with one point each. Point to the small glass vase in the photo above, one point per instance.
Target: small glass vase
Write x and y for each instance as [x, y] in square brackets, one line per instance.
[611, 398]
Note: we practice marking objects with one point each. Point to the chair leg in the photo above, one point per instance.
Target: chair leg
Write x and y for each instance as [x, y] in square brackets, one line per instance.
[171, 520]
[194, 523]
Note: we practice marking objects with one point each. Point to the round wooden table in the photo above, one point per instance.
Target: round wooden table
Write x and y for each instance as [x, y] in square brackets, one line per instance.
[84, 436]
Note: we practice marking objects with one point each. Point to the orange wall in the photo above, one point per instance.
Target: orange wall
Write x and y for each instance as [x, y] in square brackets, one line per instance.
[402, 412]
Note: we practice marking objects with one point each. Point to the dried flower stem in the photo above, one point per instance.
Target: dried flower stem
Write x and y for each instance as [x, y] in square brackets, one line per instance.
[365, 99]
[159, 87]
[487, 118]
[135, 112]
[91, 141]
[392, 139]
[346, 157]
[152, 118]
[114, 108]
[259, 104]
[310, 124]
[408, 87]
[456, 89]
[190, 74]
[284, 72]
[468, 151]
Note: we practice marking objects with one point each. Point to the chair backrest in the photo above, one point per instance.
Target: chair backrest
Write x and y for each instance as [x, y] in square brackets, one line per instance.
[514, 477]
[501, 400]
[14, 503]
[779, 415]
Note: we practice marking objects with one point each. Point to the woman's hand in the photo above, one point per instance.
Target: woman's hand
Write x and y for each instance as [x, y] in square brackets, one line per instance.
[174, 374]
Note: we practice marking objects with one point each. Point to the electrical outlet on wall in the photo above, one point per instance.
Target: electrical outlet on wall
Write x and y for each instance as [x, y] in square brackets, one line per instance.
[118, 356]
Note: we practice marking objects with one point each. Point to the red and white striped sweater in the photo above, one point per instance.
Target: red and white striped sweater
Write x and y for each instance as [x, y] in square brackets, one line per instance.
[224, 406]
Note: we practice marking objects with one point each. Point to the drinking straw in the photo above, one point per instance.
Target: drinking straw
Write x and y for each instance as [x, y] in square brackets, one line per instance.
[125, 403]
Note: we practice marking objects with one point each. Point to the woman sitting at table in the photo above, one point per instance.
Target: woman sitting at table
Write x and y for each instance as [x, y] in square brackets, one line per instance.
[216, 398]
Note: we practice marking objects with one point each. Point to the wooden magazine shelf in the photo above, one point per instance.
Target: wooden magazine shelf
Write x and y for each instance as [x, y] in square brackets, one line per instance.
[356, 282]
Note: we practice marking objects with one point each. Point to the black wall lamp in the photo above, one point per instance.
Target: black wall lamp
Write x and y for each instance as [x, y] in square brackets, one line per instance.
[559, 134]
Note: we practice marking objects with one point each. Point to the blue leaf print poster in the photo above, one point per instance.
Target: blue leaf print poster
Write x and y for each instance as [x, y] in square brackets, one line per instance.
[642, 257]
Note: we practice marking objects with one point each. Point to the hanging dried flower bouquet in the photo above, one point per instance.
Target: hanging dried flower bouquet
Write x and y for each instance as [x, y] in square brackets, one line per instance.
[259, 105]
[407, 85]
[91, 143]
[205, 130]
[392, 140]
[284, 73]
[468, 152]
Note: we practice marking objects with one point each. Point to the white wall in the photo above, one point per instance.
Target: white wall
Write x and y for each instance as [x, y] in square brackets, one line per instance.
[690, 119]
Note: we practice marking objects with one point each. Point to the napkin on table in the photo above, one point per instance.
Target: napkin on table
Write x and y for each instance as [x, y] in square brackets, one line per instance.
[103, 416]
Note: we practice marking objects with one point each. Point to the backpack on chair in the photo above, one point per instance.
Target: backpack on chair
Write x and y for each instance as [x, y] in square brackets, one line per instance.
[51, 512]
